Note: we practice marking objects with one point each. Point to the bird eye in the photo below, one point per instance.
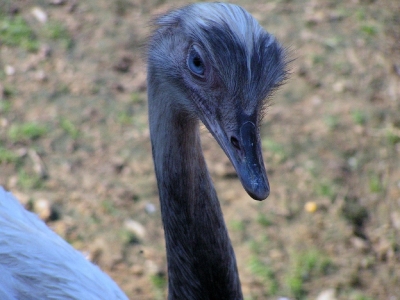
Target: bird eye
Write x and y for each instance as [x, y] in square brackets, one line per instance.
[195, 63]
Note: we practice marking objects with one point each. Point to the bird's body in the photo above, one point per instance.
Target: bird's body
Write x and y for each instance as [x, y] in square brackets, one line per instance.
[35, 263]
[210, 62]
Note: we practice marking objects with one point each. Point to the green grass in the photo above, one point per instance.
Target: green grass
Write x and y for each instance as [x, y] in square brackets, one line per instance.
[56, 31]
[69, 128]
[369, 30]
[392, 137]
[128, 237]
[375, 183]
[263, 220]
[277, 150]
[29, 181]
[237, 225]
[326, 188]
[264, 272]
[137, 98]
[125, 118]
[331, 121]
[15, 32]
[7, 156]
[358, 117]
[109, 207]
[159, 282]
[26, 131]
[306, 266]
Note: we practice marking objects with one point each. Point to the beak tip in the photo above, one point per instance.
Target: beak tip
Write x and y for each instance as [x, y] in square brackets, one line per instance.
[259, 194]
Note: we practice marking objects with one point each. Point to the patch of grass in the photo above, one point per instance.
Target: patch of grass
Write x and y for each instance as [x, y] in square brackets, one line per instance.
[159, 282]
[263, 220]
[26, 131]
[7, 156]
[237, 225]
[326, 189]
[125, 118]
[369, 30]
[331, 121]
[375, 183]
[358, 117]
[108, 207]
[56, 31]
[69, 128]
[277, 150]
[5, 106]
[29, 181]
[15, 32]
[137, 98]
[392, 137]
[360, 14]
[317, 59]
[359, 296]
[265, 273]
[305, 266]
[128, 237]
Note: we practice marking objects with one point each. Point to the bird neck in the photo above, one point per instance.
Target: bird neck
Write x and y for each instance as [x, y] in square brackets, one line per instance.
[201, 260]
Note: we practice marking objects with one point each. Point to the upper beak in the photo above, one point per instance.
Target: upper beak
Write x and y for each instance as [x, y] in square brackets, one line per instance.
[244, 151]
[249, 163]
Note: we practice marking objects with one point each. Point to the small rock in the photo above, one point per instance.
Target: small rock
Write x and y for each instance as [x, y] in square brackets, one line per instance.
[39, 14]
[57, 2]
[136, 228]
[359, 243]
[9, 70]
[43, 208]
[41, 76]
[150, 208]
[3, 122]
[329, 294]
[395, 218]
[151, 267]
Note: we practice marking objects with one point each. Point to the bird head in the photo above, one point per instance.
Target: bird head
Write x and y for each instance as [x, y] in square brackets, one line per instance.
[219, 58]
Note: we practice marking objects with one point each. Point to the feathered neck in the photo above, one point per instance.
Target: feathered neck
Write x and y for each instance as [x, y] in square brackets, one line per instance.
[201, 260]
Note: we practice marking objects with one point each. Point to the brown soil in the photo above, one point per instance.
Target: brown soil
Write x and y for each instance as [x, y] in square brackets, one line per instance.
[331, 142]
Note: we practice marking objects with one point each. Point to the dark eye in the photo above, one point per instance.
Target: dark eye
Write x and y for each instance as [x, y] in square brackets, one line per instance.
[195, 63]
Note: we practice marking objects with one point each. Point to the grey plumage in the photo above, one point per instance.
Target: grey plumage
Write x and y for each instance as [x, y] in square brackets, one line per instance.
[211, 62]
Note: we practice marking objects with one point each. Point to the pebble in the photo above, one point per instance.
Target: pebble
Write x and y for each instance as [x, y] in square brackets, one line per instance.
[151, 267]
[150, 208]
[9, 70]
[39, 14]
[329, 294]
[136, 228]
[43, 208]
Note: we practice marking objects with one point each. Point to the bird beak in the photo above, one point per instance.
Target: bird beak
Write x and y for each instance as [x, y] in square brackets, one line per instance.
[244, 151]
[249, 163]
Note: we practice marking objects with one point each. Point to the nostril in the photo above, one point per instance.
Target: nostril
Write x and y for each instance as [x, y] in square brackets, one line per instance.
[235, 143]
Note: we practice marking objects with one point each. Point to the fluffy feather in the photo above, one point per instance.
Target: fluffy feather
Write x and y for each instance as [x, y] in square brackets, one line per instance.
[35, 263]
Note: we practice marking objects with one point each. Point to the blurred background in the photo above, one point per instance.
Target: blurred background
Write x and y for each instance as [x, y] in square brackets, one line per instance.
[74, 145]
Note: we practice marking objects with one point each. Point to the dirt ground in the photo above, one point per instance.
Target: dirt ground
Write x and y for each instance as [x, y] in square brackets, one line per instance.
[74, 145]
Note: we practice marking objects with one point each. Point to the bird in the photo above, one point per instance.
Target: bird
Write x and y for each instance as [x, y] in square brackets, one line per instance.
[209, 63]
